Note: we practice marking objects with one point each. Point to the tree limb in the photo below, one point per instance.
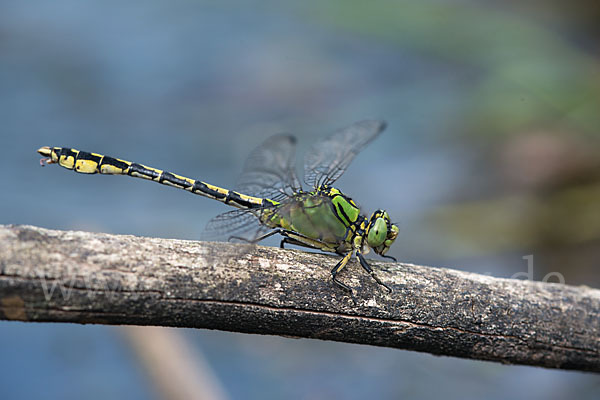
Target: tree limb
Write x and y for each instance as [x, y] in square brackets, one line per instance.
[82, 277]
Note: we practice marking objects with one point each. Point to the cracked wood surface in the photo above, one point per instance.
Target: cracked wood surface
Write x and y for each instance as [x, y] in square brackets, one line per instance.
[82, 277]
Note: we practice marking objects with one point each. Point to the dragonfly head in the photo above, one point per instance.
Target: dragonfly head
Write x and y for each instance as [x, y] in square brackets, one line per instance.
[380, 232]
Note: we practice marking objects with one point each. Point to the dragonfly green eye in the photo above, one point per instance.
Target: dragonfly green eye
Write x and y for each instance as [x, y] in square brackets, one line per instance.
[377, 233]
[381, 233]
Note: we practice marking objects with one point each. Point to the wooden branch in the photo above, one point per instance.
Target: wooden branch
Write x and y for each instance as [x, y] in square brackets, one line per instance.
[83, 277]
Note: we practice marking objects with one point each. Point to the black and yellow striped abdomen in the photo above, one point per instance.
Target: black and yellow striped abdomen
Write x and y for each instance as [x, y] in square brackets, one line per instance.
[93, 163]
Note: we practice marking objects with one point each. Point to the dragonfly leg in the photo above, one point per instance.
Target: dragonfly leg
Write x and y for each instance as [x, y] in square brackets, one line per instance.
[258, 239]
[238, 238]
[299, 239]
[290, 237]
[368, 268]
[390, 257]
[338, 267]
[295, 242]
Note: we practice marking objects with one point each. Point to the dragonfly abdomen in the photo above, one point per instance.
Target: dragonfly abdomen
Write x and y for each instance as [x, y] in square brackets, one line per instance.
[92, 163]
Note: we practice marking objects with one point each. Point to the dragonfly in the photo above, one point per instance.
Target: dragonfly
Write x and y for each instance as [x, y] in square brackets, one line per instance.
[269, 198]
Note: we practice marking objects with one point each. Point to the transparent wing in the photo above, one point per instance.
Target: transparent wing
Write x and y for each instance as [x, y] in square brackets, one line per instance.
[240, 223]
[327, 159]
[269, 171]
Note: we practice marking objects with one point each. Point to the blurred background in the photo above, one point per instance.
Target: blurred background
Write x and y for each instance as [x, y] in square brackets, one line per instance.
[491, 159]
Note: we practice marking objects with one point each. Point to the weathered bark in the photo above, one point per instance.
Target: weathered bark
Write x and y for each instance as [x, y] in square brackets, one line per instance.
[82, 277]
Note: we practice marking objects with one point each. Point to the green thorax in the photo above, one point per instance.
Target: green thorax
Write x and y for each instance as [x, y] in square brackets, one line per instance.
[325, 214]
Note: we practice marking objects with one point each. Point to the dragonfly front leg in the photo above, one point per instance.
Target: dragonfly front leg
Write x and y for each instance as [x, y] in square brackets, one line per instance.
[390, 257]
[368, 268]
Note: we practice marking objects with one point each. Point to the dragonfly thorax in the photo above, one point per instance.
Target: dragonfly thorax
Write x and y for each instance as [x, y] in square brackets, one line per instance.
[325, 214]
[334, 219]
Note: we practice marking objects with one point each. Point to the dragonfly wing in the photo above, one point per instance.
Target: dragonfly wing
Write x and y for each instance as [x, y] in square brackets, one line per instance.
[241, 223]
[328, 158]
[269, 171]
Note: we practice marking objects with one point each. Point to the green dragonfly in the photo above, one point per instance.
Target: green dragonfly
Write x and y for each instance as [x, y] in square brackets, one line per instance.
[269, 197]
